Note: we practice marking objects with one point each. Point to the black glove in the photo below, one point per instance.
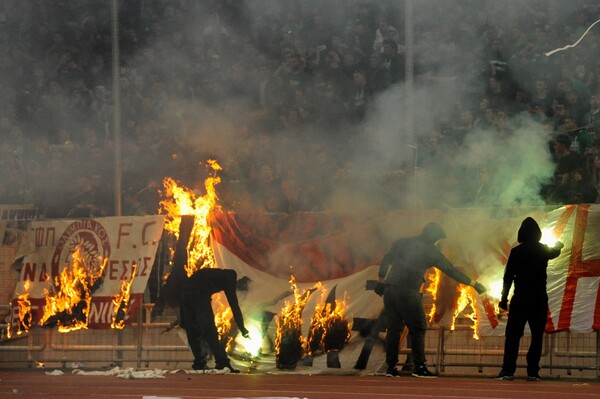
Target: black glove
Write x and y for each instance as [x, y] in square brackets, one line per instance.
[479, 288]
[503, 304]
[559, 245]
[245, 333]
[379, 288]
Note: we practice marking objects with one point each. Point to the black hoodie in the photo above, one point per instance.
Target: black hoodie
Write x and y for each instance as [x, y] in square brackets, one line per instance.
[527, 263]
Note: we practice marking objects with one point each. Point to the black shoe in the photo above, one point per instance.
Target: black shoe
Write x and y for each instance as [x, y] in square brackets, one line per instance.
[422, 372]
[504, 376]
[359, 367]
[534, 378]
[392, 373]
[199, 366]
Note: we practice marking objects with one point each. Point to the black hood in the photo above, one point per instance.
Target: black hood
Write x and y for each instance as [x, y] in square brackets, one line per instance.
[433, 232]
[529, 231]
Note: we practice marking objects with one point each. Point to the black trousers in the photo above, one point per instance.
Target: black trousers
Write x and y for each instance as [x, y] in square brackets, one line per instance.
[404, 308]
[198, 320]
[525, 311]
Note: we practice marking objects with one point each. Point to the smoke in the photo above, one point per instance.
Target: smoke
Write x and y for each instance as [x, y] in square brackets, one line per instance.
[199, 69]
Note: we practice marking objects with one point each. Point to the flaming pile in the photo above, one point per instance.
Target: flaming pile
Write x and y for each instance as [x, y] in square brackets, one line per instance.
[289, 342]
[121, 302]
[329, 329]
[180, 201]
[69, 298]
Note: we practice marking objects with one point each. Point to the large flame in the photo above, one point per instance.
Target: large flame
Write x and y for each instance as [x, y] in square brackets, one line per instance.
[180, 201]
[69, 298]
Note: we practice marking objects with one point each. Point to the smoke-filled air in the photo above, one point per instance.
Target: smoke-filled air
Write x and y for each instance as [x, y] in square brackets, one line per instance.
[336, 105]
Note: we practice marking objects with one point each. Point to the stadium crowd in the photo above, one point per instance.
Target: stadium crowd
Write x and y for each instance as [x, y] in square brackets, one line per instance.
[256, 85]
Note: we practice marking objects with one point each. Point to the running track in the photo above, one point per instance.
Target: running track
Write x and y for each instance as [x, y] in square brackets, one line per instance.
[37, 385]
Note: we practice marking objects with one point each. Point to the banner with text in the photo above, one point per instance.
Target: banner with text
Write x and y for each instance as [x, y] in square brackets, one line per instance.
[97, 264]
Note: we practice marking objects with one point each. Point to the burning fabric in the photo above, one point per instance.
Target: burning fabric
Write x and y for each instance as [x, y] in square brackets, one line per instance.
[289, 342]
[329, 329]
[69, 298]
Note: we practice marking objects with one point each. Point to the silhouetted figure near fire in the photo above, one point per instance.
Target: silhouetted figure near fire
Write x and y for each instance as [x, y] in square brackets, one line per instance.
[198, 319]
[526, 267]
[400, 278]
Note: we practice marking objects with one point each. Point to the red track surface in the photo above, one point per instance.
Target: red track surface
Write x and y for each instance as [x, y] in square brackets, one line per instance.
[38, 385]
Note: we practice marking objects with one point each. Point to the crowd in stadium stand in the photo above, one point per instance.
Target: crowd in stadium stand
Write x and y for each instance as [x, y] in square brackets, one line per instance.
[256, 85]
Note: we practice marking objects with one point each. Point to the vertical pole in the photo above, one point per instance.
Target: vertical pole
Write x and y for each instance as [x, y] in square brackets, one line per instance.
[409, 122]
[116, 106]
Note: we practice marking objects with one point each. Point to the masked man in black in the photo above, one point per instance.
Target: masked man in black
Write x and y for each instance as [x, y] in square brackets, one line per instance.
[401, 275]
[526, 267]
[198, 319]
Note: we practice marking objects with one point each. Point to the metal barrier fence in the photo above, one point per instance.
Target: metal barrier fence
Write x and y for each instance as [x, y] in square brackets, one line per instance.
[148, 344]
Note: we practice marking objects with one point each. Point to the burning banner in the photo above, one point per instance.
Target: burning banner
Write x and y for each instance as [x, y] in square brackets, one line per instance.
[73, 271]
[347, 254]
[289, 342]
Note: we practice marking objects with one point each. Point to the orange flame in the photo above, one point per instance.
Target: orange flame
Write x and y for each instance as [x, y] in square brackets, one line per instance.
[467, 298]
[24, 311]
[223, 316]
[433, 276]
[329, 329]
[289, 321]
[121, 302]
[183, 201]
[68, 300]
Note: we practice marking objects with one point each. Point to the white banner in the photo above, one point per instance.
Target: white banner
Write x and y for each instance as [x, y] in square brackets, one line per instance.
[120, 249]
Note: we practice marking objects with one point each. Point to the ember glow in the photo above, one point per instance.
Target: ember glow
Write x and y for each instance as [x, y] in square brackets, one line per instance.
[69, 298]
[180, 201]
[121, 302]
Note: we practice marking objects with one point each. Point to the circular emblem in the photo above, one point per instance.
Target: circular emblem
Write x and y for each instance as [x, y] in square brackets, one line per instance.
[85, 239]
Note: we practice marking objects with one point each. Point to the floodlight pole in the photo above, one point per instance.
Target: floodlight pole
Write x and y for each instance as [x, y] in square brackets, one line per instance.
[116, 88]
[409, 120]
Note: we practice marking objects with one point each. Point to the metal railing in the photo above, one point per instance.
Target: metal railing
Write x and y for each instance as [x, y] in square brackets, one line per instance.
[147, 342]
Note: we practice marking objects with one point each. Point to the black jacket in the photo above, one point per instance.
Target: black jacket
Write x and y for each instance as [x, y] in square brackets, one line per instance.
[527, 263]
[208, 281]
[404, 265]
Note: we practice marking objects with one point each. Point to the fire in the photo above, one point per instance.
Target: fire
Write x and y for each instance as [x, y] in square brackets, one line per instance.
[24, 310]
[467, 297]
[223, 316]
[288, 339]
[434, 281]
[121, 302]
[183, 201]
[180, 200]
[24, 305]
[69, 298]
[329, 329]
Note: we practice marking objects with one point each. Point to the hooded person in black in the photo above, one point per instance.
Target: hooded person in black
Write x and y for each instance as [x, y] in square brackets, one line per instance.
[198, 319]
[401, 275]
[526, 267]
